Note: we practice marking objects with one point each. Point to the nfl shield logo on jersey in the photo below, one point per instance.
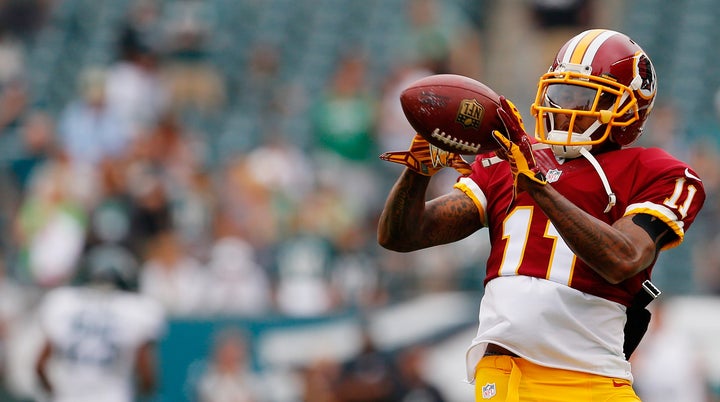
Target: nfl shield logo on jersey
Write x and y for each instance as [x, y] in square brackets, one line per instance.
[488, 391]
[553, 175]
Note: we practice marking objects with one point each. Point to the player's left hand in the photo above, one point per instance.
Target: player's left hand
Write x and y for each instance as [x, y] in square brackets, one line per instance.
[516, 147]
[427, 159]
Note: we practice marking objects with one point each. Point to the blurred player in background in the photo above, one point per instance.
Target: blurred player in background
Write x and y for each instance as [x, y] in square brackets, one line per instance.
[576, 222]
[100, 337]
[668, 363]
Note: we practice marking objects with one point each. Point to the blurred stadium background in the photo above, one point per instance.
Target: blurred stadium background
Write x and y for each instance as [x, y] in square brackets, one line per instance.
[229, 149]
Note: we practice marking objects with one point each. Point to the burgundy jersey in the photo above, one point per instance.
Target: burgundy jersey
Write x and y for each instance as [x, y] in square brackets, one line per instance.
[525, 242]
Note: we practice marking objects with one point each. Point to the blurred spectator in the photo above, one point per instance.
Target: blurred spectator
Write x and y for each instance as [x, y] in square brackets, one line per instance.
[441, 37]
[281, 167]
[108, 236]
[228, 375]
[270, 182]
[170, 162]
[38, 146]
[344, 115]
[141, 27]
[239, 285]
[90, 129]
[169, 184]
[344, 124]
[35, 147]
[319, 378]
[706, 264]
[667, 365]
[553, 21]
[150, 213]
[705, 156]
[259, 88]
[302, 281]
[278, 174]
[13, 101]
[134, 86]
[24, 18]
[393, 127]
[355, 275]
[550, 14]
[195, 83]
[414, 386]
[99, 338]
[429, 38]
[309, 271]
[371, 376]
[13, 85]
[52, 221]
[249, 203]
[665, 130]
[172, 149]
[174, 278]
[110, 218]
[338, 211]
[16, 303]
[194, 204]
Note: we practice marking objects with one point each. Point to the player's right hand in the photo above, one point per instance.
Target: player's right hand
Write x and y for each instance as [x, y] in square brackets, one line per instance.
[516, 147]
[427, 159]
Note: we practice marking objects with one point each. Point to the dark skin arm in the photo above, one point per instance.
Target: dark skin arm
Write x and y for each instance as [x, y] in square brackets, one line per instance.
[145, 368]
[616, 252]
[408, 223]
[41, 367]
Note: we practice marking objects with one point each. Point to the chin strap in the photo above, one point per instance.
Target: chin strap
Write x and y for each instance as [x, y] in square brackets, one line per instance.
[611, 196]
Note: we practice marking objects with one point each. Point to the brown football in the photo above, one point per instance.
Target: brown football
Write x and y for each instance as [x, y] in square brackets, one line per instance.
[453, 112]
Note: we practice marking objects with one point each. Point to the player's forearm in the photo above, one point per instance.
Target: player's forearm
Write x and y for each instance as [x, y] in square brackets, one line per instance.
[145, 366]
[399, 220]
[41, 368]
[608, 251]
[45, 383]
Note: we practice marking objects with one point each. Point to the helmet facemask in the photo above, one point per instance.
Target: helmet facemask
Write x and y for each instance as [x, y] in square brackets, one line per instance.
[576, 110]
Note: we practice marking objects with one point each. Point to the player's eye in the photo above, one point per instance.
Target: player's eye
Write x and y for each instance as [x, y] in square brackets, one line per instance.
[572, 97]
[607, 100]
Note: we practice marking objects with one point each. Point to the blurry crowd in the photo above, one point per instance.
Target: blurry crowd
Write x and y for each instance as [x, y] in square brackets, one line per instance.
[287, 225]
[370, 375]
[116, 175]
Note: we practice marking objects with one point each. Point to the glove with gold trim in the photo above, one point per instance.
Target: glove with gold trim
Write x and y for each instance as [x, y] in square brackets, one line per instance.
[516, 147]
[427, 159]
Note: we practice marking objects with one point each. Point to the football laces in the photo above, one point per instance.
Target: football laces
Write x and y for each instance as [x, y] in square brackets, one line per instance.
[460, 145]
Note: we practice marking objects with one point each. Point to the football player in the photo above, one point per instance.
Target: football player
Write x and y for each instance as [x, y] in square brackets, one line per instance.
[576, 219]
[100, 337]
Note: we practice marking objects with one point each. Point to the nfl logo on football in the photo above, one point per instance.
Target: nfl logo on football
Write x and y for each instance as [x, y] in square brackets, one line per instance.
[488, 391]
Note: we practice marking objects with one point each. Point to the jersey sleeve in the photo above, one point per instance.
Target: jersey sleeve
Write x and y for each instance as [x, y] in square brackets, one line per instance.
[675, 196]
[155, 319]
[51, 312]
[473, 185]
[145, 317]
